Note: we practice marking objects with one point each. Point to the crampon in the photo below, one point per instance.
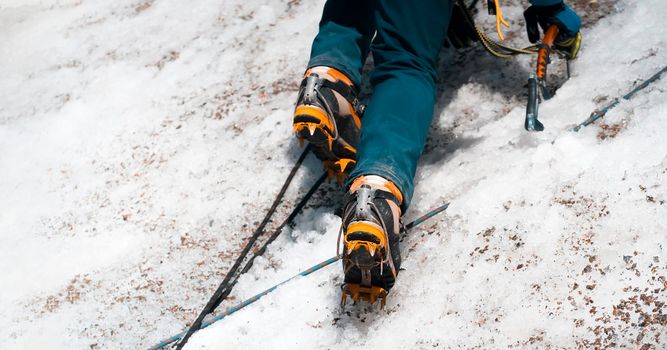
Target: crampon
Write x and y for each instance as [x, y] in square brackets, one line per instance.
[370, 234]
[327, 115]
[361, 262]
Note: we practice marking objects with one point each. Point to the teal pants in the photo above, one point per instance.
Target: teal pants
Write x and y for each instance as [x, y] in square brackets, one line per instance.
[408, 38]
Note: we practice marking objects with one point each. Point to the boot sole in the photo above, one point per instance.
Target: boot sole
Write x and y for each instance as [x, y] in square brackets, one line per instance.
[361, 258]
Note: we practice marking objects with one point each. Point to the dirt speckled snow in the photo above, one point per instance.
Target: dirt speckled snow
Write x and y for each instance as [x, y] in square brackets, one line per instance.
[142, 141]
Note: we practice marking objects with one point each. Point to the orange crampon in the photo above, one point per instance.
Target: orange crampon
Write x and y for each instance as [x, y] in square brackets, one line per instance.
[370, 233]
[327, 115]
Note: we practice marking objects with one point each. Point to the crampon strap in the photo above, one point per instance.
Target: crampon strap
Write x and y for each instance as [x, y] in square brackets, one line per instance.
[348, 92]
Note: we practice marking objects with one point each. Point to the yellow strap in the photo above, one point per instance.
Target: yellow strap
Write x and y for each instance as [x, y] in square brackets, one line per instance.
[500, 20]
[495, 48]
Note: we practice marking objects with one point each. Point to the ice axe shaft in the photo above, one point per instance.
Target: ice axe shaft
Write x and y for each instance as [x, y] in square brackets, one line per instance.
[543, 53]
[531, 123]
[538, 81]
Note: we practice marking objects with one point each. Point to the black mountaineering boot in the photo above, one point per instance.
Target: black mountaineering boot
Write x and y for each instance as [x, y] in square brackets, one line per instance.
[370, 233]
[327, 115]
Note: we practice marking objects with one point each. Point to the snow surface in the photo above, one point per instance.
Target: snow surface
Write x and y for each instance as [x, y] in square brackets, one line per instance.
[129, 129]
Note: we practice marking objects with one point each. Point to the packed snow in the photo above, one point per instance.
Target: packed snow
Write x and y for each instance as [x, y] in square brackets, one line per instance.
[141, 142]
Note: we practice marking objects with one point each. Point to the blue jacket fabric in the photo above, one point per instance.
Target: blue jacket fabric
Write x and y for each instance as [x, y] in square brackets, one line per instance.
[565, 17]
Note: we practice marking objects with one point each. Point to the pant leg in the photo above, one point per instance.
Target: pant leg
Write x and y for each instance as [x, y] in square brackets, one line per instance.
[344, 38]
[409, 37]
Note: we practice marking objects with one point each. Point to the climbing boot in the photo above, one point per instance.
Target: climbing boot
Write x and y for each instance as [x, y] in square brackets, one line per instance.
[370, 233]
[569, 46]
[328, 116]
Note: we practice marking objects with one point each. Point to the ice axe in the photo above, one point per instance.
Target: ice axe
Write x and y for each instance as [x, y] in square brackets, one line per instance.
[538, 81]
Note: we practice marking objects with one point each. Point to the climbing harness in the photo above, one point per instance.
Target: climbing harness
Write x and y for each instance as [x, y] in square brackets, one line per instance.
[599, 113]
[213, 319]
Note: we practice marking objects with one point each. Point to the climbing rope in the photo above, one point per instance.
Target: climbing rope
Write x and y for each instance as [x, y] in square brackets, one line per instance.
[493, 47]
[224, 287]
[497, 10]
[275, 235]
[211, 320]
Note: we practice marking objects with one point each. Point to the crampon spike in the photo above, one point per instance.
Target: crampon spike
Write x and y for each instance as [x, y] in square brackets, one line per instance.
[334, 171]
[368, 294]
[343, 163]
[372, 248]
